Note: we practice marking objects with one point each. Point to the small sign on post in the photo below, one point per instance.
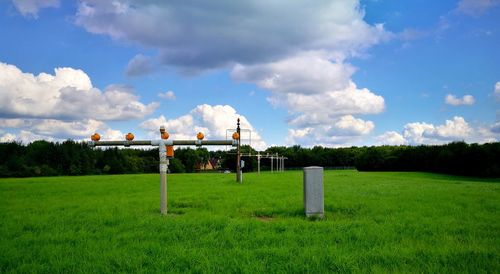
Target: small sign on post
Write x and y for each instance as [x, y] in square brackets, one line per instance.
[313, 192]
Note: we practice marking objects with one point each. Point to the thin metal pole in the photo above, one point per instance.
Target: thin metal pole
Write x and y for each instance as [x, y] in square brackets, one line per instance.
[272, 165]
[238, 157]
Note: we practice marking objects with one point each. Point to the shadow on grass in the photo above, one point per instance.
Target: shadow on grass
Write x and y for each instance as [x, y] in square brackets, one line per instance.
[331, 213]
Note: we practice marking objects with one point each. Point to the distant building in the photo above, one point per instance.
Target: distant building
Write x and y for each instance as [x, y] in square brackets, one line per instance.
[211, 164]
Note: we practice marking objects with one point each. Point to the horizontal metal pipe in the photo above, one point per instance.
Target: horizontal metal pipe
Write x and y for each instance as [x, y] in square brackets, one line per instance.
[121, 143]
[204, 142]
[167, 142]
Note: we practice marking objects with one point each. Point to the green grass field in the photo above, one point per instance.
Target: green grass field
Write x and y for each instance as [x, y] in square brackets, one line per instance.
[374, 222]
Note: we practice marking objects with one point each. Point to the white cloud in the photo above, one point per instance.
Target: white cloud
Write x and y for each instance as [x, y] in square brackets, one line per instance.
[112, 134]
[31, 7]
[343, 131]
[451, 99]
[315, 90]
[453, 129]
[307, 73]
[476, 7]
[191, 35]
[62, 106]
[414, 132]
[211, 120]
[27, 137]
[333, 103]
[68, 94]
[497, 91]
[51, 129]
[456, 129]
[169, 95]
[7, 137]
[350, 126]
[391, 138]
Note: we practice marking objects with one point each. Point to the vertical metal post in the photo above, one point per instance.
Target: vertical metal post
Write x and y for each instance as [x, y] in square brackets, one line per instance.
[238, 157]
[272, 165]
[277, 170]
[258, 163]
[163, 178]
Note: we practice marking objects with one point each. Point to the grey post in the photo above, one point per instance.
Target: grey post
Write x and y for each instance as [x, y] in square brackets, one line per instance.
[163, 178]
[258, 163]
[313, 191]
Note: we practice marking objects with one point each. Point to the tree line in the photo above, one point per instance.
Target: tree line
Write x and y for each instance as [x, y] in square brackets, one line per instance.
[42, 158]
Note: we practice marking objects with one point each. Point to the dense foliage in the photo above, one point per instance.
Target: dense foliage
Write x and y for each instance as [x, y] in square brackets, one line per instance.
[42, 158]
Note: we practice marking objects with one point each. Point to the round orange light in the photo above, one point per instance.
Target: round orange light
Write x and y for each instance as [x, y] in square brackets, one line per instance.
[129, 136]
[200, 136]
[236, 136]
[95, 137]
[165, 135]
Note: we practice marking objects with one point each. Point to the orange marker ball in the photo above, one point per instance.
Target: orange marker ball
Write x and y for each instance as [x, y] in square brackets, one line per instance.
[129, 136]
[200, 136]
[95, 137]
[165, 135]
[236, 136]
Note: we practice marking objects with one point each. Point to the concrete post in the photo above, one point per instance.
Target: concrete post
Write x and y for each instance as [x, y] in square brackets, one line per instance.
[313, 192]
[163, 178]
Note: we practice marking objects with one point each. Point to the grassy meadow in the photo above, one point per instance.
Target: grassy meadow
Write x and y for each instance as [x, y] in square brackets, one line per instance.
[374, 222]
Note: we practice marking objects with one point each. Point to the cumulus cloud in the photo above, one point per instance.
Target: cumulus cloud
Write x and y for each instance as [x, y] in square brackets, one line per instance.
[307, 73]
[476, 7]
[456, 129]
[344, 130]
[453, 130]
[192, 35]
[314, 89]
[67, 94]
[26, 137]
[62, 106]
[169, 95]
[7, 137]
[391, 138]
[51, 129]
[451, 99]
[213, 121]
[31, 7]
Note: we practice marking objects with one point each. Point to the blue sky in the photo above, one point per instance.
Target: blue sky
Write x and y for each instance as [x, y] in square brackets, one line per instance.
[332, 73]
